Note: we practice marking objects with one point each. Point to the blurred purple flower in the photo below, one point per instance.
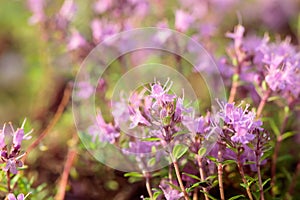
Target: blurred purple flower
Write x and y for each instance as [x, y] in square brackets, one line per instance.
[102, 29]
[183, 20]
[76, 41]
[84, 90]
[2, 138]
[237, 36]
[138, 119]
[37, 9]
[169, 192]
[197, 125]
[11, 196]
[68, 9]
[102, 6]
[66, 13]
[11, 165]
[106, 132]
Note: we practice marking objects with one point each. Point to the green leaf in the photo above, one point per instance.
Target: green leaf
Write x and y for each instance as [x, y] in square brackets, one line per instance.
[273, 98]
[192, 176]
[284, 158]
[152, 161]
[195, 185]
[249, 178]
[266, 155]
[173, 186]
[274, 127]
[215, 160]
[266, 181]
[156, 194]
[209, 196]
[179, 150]
[288, 134]
[151, 139]
[202, 151]
[211, 177]
[287, 174]
[228, 162]
[237, 197]
[133, 174]
[179, 133]
[264, 85]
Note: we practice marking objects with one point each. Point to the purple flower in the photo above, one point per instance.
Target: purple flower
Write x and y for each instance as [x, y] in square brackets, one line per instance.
[37, 8]
[76, 41]
[102, 5]
[2, 139]
[240, 121]
[11, 165]
[106, 132]
[197, 125]
[180, 110]
[138, 119]
[283, 65]
[237, 36]
[84, 90]
[159, 93]
[183, 20]
[68, 9]
[66, 13]
[11, 196]
[102, 29]
[141, 147]
[169, 192]
[18, 138]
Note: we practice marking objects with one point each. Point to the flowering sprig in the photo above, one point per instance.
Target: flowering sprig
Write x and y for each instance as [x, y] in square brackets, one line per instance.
[10, 144]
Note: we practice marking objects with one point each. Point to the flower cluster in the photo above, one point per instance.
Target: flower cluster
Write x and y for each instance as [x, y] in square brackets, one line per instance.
[257, 60]
[10, 145]
[240, 122]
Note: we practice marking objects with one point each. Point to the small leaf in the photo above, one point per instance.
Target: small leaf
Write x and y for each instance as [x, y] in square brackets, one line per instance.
[133, 174]
[179, 150]
[266, 155]
[152, 139]
[152, 161]
[237, 197]
[156, 194]
[211, 177]
[179, 133]
[273, 98]
[274, 127]
[202, 151]
[284, 158]
[209, 196]
[195, 185]
[266, 181]
[244, 185]
[264, 85]
[287, 135]
[215, 160]
[192, 176]
[134, 179]
[173, 186]
[228, 162]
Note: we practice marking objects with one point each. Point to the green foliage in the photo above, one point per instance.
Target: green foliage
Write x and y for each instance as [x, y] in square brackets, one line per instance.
[179, 150]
